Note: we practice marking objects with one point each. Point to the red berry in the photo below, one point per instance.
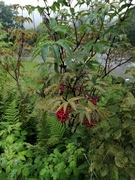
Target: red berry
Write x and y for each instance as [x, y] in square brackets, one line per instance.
[62, 89]
[89, 124]
[63, 116]
[94, 99]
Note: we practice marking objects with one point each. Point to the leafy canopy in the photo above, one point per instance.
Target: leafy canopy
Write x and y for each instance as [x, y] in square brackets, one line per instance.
[7, 15]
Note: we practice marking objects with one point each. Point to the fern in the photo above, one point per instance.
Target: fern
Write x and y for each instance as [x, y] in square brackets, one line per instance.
[57, 129]
[1, 107]
[51, 131]
[11, 113]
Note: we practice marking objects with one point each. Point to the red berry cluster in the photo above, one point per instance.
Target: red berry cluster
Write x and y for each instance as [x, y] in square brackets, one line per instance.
[94, 99]
[63, 116]
[62, 89]
[89, 124]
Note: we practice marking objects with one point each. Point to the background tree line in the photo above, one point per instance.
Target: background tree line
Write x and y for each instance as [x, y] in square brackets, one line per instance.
[8, 14]
[130, 30]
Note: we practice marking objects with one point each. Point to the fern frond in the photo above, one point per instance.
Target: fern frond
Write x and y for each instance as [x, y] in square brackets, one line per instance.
[57, 128]
[51, 131]
[12, 112]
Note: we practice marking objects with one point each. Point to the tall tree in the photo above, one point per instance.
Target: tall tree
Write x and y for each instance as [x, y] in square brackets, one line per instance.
[7, 15]
[131, 29]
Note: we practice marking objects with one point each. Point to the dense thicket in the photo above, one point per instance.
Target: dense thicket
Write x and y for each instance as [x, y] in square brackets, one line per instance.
[63, 116]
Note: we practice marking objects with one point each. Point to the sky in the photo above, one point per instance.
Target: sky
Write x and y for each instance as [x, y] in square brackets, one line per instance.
[24, 2]
[35, 16]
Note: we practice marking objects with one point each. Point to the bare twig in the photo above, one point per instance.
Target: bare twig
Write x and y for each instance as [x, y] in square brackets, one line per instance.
[117, 66]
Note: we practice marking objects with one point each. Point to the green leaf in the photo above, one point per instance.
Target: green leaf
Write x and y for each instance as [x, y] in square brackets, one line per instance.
[29, 153]
[8, 169]
[76, 98]
[21, 156]
[42, 39]
[36, 53]
[43, 171]
[73, 105]
[104, 170]
[4, 163]
[17, 133]
[115, 121]
[61, 29]
[103, 113]
[98, 87]
[41, 48]
[37, 160]
[88, 47]
[60, 167]
[65, 105]
[102, 82]
[102, 18]
[24, 133]
[92, 17]
[99, 47]
[26, 171]
[56, 53]
[117, 134]
[44, 52]
[10, 139]
[72, 10]
[76, 172]
[120, 161]
[82, 116]
[56, 4]
[53, 23]
[20, 147]
[72, 164]
[115, 150]
[68, 171]
[88, 116]
[94, 165]
[127, 123]
[55, 175]
[65, 45]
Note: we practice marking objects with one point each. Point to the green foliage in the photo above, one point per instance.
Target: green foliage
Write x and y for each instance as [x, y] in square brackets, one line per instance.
[67, 118]
[115, 137]
[67, 164]
[130, 29]
[51, 133]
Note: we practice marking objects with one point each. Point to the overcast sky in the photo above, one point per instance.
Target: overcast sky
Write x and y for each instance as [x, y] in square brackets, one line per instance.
[24, 2]
[37, 18]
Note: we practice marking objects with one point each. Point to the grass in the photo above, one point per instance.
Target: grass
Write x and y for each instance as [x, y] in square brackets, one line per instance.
[29, 74]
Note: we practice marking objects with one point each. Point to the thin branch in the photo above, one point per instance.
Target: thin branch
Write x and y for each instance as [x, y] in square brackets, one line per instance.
[117, 66]
[79, 42]
[108, 53]
[75, 28]
[130, 3]
[7, 71]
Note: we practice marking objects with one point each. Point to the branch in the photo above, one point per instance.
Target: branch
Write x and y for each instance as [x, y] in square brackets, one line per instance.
[108, 53]
[78, 44]
[6, 69]
[75, 29]
[117, 66]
